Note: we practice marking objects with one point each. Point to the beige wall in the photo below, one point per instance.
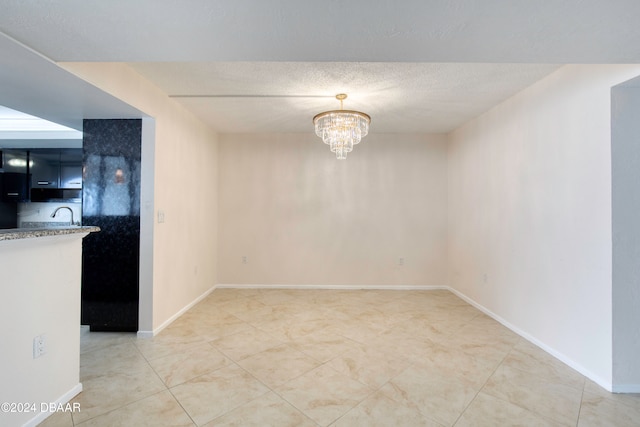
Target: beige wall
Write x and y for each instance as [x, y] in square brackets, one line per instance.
[301, 217]
[514, 213]
[530, 213]
[179, 168]
[33, 302]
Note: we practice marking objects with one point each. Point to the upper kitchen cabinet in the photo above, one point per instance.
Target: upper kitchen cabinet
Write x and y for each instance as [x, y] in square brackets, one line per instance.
[14, 173]
[14, 161]
[71, 168]
[56, 168]
[42, 175]
[45, 167]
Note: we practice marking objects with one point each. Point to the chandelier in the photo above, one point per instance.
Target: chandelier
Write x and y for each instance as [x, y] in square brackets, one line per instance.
[341, 129]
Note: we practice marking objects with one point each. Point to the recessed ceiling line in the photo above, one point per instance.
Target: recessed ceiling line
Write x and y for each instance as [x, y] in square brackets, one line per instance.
[251, 96]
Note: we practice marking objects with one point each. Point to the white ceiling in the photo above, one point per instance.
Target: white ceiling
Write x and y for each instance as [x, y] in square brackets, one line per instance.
[33, 84]
[269, 66]
[284, 96]
[20, 130]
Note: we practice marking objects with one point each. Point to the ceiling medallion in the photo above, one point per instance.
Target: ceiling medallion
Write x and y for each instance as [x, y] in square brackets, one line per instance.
[341, 129]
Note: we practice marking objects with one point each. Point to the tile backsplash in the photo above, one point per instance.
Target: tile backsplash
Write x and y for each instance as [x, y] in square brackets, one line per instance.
[35, 212]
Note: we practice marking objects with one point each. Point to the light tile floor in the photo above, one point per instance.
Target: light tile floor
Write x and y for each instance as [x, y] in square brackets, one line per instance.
[250, 357]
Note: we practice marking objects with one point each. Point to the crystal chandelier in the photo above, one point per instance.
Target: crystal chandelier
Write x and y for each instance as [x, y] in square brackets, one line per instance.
[341, 129]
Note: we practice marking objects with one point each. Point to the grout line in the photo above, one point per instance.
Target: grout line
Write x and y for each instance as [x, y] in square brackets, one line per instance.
[484, 385]
[183, 408]
[120, 407]
[584, 385]
[366, 341]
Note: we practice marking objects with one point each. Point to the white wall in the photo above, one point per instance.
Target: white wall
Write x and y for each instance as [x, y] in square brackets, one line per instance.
[184, 156]
[32, 306]
[526, 188]
[530, 213]
[301, 217]
[625, 160]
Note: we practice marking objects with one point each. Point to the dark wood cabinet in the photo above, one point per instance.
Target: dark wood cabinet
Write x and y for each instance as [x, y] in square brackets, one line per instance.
[44, 169]
[42, 175]
[14, 187]
[56, 168]
[8, 210]
[14, 176]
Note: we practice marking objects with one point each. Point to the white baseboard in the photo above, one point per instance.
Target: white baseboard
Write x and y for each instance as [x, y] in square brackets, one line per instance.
[626, 388]
[564, 359]
[335, 287]
[156, 331]
[62, 400]
[151, 334]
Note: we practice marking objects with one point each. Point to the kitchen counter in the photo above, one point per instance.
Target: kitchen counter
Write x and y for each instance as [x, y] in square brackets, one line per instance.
[28, 233]
[40, 300]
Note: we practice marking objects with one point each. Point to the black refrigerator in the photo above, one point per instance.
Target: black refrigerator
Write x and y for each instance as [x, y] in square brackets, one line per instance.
[111, 201]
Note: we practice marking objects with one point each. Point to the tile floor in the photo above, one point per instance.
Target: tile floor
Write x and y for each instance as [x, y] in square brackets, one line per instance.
[250, 357]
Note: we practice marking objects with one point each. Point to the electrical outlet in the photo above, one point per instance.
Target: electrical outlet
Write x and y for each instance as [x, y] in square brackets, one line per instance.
[39, 346]
[400, 261]
[244, 259]
[160, 216]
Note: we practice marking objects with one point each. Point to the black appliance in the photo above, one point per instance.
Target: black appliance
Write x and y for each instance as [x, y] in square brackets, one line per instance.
[111, 201]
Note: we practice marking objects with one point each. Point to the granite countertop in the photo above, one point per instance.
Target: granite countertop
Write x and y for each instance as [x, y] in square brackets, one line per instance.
[28, 233]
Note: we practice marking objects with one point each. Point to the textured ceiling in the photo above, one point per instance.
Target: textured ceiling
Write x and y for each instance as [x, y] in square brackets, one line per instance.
[251, 66]
[284, 96]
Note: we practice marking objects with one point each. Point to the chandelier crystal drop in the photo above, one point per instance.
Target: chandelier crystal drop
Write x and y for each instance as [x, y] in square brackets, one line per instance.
[341, 129]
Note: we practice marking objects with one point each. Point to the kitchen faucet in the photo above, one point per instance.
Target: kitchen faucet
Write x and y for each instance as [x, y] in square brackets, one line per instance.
[53, 215]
